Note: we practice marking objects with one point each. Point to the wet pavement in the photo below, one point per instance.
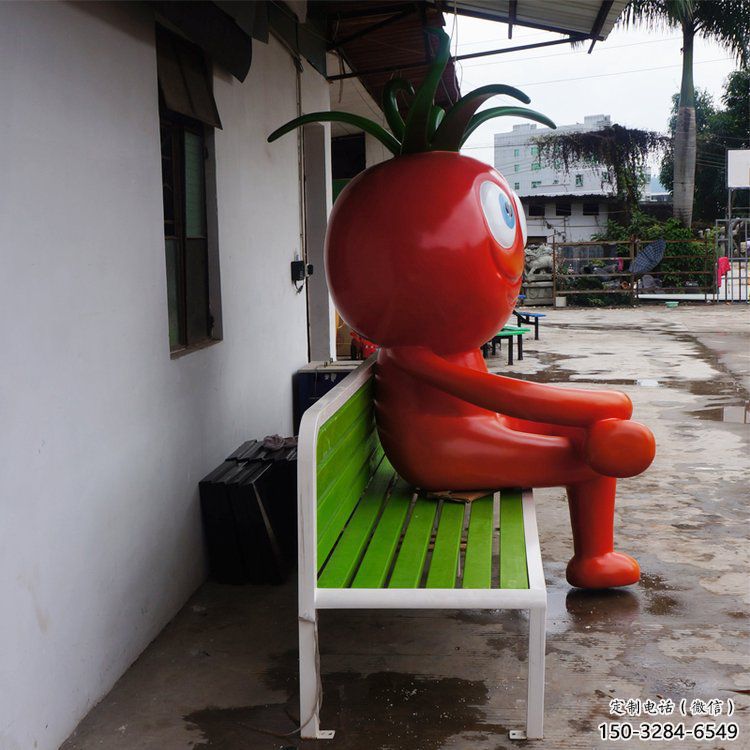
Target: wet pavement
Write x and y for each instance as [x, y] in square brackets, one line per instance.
[222, 675]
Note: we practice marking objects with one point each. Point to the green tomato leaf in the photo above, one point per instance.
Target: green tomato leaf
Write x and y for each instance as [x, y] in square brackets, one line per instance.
[451, 131]
[390, 105]
[489, 114]
[358, 122]
[436, 117]
[416, 136]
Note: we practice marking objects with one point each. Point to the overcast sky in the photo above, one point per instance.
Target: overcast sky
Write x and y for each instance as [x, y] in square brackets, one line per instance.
[630, 76]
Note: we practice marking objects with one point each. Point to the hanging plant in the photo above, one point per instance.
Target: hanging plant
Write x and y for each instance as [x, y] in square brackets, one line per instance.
[623, 152]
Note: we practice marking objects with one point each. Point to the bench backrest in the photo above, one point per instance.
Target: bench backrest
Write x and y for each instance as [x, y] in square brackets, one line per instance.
[347, 451]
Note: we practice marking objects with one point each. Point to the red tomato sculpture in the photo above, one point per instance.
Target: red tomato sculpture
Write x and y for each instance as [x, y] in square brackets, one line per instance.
[424, 256]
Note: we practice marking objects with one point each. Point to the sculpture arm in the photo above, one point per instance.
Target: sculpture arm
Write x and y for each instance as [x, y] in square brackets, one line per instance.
[515, 398]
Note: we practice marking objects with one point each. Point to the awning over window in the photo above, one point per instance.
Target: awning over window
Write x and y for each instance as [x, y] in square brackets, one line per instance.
[184, 81]
[215, 32]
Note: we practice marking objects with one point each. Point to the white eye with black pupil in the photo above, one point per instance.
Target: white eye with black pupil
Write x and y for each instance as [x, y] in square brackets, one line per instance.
[499, 212]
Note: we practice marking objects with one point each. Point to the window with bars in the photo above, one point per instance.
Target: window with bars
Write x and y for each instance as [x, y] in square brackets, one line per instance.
[536, 183]
[187, 116]
[579, 180]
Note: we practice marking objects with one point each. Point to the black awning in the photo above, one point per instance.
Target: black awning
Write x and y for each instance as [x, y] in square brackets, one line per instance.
[215, 32]
[184, 81]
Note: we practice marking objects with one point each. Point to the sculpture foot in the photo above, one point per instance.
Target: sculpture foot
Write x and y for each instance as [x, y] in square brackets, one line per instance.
[602, 572]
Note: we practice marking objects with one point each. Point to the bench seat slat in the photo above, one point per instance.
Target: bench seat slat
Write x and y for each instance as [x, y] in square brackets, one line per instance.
[377, 560]
[478, 565]
[407, 572]
[342, 564]
[513, 570]
[444, 563]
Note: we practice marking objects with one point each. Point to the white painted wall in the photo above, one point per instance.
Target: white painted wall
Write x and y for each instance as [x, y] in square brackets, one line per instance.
[104, 437]
[574, 228]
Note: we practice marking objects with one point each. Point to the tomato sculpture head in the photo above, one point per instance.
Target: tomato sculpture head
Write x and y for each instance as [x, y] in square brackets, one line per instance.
[427, 249]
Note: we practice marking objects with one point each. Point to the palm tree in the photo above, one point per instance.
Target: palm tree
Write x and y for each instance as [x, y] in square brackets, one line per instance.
[724, 21]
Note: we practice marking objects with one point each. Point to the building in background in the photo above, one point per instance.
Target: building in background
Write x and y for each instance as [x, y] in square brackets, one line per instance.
[565, 206]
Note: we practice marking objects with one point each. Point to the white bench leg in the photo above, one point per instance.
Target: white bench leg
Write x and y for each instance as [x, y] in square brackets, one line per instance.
[310, 690]
[535, 705]
[535, 697]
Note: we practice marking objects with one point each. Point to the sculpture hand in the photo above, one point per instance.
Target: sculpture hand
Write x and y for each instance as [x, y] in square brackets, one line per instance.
[619, 447]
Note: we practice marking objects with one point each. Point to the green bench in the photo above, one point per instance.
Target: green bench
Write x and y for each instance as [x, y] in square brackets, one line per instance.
[368, 540]
[508, 332]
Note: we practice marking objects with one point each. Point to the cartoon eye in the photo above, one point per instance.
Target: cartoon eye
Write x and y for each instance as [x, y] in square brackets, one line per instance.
[499, 212]
[521, 217]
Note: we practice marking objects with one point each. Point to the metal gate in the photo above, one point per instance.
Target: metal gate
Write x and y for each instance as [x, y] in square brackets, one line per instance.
[732, 249]
[597, 274]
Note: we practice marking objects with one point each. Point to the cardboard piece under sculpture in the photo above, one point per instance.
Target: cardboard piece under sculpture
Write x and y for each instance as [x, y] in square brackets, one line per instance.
[425, 256]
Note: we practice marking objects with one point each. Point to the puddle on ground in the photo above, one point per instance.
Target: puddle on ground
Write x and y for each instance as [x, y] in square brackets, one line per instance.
[595, 607]
[382, 709]
[654, 582]
[731, 414]
[662, 604]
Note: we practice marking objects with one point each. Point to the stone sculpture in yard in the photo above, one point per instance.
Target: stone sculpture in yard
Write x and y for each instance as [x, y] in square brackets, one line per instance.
[425, 257]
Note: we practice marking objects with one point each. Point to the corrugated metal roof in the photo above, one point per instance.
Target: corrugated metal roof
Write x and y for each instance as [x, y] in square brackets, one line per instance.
[563, 16]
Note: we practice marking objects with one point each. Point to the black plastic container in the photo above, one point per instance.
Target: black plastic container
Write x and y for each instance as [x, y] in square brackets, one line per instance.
[249, 510]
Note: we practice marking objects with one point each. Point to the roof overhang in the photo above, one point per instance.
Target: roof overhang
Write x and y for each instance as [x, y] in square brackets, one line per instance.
[377, 39]
[593, 19]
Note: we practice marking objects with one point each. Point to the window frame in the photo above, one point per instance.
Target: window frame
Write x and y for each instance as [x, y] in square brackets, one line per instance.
[208, 289]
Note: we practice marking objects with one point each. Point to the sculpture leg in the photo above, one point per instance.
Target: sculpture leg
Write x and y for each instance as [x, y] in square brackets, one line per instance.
[595, 564]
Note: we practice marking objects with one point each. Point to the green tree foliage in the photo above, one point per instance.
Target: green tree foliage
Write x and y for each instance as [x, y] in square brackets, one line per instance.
[726, 22]
[717, 130]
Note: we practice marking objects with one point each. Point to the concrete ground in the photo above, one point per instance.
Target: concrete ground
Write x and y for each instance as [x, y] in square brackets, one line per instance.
[222, 675]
